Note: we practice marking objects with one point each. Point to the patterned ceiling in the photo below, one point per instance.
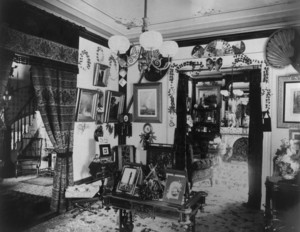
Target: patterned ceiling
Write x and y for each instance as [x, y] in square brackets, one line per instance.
[175, 19]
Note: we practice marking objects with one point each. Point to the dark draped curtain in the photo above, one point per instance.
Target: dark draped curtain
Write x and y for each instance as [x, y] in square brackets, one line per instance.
[6, 59]
[181, 156]
[255, 141]
[56, 98]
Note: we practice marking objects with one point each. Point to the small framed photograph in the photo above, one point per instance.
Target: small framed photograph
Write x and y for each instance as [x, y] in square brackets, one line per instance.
[288, 114]
[208, 96]
[295, 135]
[129, 179]
[114, 105]
[104, 150]
[175, 188]
[87, 103]
[147, 102]
[101, 75]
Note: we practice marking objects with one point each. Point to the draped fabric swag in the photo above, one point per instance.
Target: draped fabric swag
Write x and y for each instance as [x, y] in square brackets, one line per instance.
[56, 97]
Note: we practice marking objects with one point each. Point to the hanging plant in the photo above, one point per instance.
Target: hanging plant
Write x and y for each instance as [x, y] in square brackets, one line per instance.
[84, 57]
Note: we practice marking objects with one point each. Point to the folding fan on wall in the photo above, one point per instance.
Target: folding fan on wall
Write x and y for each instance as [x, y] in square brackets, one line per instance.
[282, 49]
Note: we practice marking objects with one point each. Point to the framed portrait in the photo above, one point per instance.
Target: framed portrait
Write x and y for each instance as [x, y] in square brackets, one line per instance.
[114, 105]
[175, 188]
[101, 74]
[147, 102]
[208, 96]
[288, 114]
[104, 150]
[130, 177]
[87, 103]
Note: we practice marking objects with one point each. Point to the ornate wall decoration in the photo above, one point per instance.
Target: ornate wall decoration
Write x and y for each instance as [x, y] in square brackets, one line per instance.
[19, 42]
[99, 54]
[84, 60]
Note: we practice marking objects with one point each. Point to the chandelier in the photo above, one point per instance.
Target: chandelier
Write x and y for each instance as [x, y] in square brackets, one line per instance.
[232, 93]
[152, 52]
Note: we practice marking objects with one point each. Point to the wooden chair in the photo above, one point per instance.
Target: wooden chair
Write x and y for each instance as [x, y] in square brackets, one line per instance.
[29, 156]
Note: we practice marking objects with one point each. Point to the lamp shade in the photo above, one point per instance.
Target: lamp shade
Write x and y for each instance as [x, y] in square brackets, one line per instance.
[151, 40]
[118, 44]
[168, 48]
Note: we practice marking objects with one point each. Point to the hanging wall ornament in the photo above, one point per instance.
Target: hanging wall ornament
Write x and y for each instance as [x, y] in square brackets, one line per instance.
[114, 68]
[84, 60]
[99, 55]
[98, 133]
[197, 51]
[238, 47]
[147, 136]
[124, 125]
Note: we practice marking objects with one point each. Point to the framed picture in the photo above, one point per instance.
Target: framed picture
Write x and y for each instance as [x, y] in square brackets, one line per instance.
[101, 74]
[104, 150]
[130, 177]
[162, 157]
[175, 188]
[288, 114]
[208, 96]
[87, 103]
[147, 102]
[295, 135]
[114, 105]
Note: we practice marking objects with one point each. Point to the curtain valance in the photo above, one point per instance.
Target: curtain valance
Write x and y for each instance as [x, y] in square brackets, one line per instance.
[41, 51]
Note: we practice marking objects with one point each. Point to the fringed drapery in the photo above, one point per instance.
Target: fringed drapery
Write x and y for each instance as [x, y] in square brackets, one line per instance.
[56, 97]
[6, 59]
[39, 51]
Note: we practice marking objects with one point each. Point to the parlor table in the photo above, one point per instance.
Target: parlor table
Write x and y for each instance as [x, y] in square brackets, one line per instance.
[130, 206]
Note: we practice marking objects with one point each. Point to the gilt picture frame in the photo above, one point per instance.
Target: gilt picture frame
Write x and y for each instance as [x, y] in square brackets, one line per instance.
[288, 111]
[101, 75]
[114, 105]
[147, 102]
[87, 103]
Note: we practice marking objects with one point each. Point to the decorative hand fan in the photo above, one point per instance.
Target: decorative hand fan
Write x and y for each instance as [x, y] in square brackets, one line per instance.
[282, 49]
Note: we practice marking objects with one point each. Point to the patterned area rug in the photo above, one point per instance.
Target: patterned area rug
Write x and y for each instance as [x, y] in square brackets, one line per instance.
[224, 210]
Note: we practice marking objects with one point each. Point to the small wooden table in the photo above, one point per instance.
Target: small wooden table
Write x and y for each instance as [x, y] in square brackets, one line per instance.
[130, 206]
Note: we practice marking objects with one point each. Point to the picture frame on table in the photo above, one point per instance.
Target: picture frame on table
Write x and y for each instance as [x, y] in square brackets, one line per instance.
[114, 105]
[130, 177]
[208, 96]
[147, 102]
[101, 75]
[176, 186]
[288, 110]
[295, 136]
[87, 103]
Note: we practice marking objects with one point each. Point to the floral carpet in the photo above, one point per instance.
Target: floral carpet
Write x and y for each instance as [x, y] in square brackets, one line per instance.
[224, 210]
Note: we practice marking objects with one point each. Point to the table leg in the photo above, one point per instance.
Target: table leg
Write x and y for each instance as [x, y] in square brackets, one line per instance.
[125, 221]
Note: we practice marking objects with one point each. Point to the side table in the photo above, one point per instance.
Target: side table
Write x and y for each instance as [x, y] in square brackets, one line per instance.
[282, 207]
[129, 206]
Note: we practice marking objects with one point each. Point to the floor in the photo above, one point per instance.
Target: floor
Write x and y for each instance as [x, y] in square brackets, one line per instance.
[224, 210]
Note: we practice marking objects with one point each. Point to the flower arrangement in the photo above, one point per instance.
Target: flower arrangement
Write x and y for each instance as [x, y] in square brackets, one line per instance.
[287, 160]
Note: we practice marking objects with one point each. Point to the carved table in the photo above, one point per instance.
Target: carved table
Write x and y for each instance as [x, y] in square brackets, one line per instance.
[129, 206]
